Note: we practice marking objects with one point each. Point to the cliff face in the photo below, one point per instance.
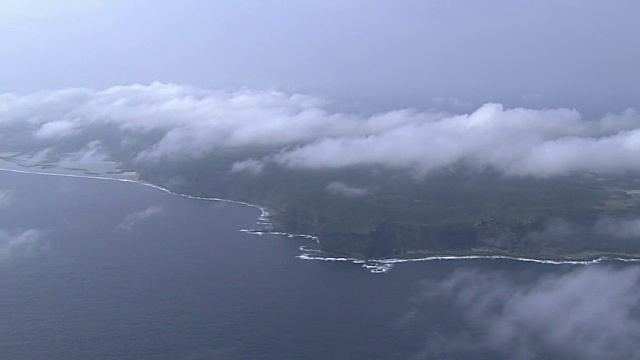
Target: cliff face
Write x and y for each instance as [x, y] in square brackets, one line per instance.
[549, 237]
[397, 240]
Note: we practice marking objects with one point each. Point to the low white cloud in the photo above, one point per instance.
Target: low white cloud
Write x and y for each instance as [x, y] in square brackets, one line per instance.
[6, 197]
[56, 129]
[515, 142]
[137, 217]
[93, 153]
[301, 131]
[343, 189]
[21, 243]
[249, 166]
[41, 156]
[590, 313]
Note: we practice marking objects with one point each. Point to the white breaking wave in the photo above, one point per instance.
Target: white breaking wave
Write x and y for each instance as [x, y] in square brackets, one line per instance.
[384, 265]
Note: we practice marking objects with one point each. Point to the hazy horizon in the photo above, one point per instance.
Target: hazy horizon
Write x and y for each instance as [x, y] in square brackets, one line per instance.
[363, 54]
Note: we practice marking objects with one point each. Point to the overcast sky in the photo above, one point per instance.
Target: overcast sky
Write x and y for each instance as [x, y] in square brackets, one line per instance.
[389, 54]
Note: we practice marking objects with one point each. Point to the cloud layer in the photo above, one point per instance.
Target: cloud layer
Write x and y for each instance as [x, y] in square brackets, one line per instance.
[300, 131]
[590, 313]
[5, 198]
[19, 243]
[340, 188]
[136, 217]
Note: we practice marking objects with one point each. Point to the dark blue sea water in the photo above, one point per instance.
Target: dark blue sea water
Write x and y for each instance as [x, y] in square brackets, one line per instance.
[119, 270]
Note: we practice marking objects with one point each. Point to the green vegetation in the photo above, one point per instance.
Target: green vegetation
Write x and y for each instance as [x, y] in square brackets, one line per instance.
[397, 214]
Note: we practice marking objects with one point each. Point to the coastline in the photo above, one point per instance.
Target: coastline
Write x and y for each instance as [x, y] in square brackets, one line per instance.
[373, 265]
[264, 219]
[384, 265]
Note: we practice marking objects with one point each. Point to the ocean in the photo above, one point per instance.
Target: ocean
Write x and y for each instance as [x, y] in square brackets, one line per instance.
[100, 269]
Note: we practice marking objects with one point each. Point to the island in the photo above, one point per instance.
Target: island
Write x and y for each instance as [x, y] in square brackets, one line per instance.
[368, 212]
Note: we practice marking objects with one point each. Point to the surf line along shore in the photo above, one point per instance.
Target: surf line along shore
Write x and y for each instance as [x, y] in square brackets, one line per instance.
[263, 218]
